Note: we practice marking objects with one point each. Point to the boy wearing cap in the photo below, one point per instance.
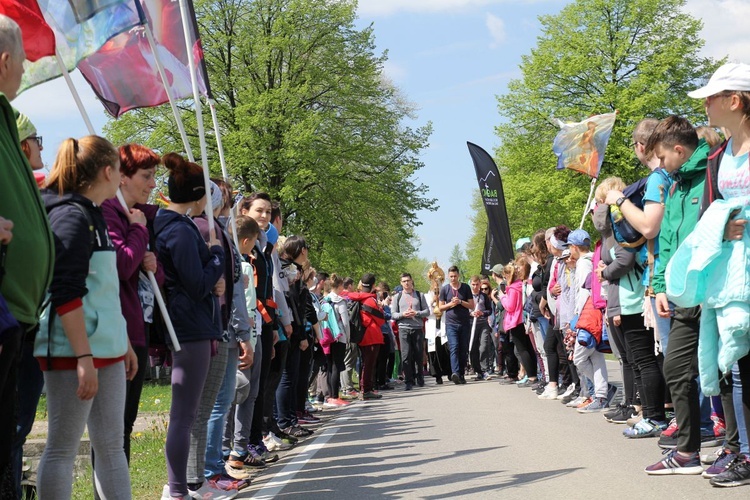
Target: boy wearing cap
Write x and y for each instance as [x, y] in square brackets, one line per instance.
[590, 362]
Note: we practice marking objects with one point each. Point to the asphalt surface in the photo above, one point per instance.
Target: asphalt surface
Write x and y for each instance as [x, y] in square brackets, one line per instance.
[480, 440]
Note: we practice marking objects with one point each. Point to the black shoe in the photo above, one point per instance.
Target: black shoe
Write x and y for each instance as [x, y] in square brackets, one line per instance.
[540, 390]
[463, 379]
[408, 387]
[420, 380]
[570, 397]
[455, 378]
[385, 387]
[615, 412]
[626, 413]
[736, 475]
[438, 381]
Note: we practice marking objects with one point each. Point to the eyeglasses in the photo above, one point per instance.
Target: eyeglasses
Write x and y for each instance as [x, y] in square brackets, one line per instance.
[37, 138]
[485, 289]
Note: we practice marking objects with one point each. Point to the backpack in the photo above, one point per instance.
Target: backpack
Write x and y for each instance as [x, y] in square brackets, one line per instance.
[356, 325]
[625, 234]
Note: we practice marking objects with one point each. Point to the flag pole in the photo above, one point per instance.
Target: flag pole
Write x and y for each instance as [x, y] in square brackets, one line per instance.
[588, 202]
[225, 175]
[90, 127]
[162, 74]
[186, 28]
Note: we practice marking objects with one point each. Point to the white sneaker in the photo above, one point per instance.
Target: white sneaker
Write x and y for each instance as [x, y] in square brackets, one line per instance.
[549, 393]
[574, 403]
[165, 495]
[273, 443]
[208, 491]
[568, 392]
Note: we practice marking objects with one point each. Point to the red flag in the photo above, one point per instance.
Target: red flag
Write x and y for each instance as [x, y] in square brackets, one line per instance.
[38, 37]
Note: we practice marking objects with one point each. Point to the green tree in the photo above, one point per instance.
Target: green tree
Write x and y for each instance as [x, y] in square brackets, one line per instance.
[639, 57]
[475, 245]
[458, 258]
[307, 116]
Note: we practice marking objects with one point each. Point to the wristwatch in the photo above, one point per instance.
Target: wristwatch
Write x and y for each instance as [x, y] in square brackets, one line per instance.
[620, 201]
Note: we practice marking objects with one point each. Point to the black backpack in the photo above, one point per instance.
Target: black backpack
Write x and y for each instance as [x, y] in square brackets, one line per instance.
[356, 325]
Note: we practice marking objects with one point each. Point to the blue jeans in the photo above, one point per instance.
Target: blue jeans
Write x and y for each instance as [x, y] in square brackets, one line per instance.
[214, 463]
[458, 345]
[30, 383]
[738, 409]
[286, 407]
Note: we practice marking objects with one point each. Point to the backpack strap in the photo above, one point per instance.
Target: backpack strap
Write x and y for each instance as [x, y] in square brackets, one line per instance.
[398, 299]
[373, 311]
[650, 245]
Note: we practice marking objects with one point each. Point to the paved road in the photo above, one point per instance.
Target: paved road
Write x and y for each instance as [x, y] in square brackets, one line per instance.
[481, 440]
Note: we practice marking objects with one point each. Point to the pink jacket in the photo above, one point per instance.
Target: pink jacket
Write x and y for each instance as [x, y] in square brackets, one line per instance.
[512, 302]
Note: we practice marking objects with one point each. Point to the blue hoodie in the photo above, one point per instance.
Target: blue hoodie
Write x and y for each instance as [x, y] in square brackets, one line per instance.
[191, 271]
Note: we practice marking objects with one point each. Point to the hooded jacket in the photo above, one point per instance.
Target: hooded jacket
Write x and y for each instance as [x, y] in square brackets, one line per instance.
[191, 271]
[373, 334]
[131, 243]
[85, 276]
[512, 301]
[682, 209]
[342, 315]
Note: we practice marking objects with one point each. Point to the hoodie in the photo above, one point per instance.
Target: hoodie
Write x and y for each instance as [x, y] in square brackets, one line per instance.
[342, 315]
[131, 243]
[85, 276]
[681, 209]
[373, 334]
[191, 271]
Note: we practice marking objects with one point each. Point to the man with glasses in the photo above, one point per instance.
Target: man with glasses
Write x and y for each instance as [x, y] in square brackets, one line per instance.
[408, 309]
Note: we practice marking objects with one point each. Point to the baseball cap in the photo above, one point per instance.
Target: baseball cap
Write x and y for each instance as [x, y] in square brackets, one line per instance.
[272, 234]
[368, 279]
[497, 269]
[521, 242]
[731, 76]
[565, 254]
[579, 238]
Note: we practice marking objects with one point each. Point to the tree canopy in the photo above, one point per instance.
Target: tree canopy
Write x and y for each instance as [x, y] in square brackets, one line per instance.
[307, 116]
[638, 57]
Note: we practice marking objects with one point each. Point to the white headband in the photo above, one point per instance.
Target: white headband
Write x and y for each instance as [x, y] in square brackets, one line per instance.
[556, 243]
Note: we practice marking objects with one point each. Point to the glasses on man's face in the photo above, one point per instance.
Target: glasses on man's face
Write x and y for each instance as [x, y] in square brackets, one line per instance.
[38, 139]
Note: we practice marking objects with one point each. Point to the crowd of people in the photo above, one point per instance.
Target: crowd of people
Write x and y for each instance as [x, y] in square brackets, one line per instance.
[265, 340]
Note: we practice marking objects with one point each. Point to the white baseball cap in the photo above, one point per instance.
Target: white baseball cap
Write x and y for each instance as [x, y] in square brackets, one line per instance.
[731, 76]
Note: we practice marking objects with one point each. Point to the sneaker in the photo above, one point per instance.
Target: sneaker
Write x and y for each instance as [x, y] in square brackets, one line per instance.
[385, 387]
[709, 439]
[710, 458]
[586, 401]
[523, 380]
[212, 492]
[310, 406]
[252, 459]
[273, 443]
[339, 402]
[455, 378]
[371, 395]
[724, 460]
[238, 473]
[304, 417]
[165, 495]
[567, 392]
[616, 411]
[573, 403]
[296, 431]
[625, 413]
[674, 463]
[439, 380]
[612, 391]
[720, 427]
[536, 385]
[736, 475]
[549, 393]
[598, 404]
[645, 428]
[285, 438]
[540, 390]
[408, 386]
[226, 482]
[634, 419]
[569, 398]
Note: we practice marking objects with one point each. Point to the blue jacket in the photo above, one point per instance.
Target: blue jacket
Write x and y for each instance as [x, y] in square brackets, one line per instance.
[191, 271]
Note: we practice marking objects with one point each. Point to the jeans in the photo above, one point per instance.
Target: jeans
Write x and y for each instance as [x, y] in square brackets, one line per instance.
[539, 329]
[411, 352]
[286, 393]
[681, 372]
[30, 383]
[737, 398]
[458, 344]
[648, 377]
[214, 462]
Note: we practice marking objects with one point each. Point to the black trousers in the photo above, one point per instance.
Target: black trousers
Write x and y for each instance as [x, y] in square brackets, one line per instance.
[557, 359]
[273, 378]
[475, 352]
[9, 360]
[626, 363]
[525, 350]
[411, 353]
[647, 375]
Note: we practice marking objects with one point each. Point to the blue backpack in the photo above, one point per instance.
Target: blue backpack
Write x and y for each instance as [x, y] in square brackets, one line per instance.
[625, 234]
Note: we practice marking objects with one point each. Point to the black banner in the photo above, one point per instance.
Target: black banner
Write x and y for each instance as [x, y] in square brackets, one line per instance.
[498, 246]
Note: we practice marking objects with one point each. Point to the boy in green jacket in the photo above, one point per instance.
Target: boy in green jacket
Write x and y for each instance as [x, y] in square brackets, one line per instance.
[675, 143]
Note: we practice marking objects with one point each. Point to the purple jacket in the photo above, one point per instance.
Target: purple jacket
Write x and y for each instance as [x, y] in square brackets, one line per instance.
[131, 243]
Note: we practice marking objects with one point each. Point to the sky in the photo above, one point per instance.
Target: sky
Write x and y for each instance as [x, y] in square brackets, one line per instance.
[451, 59]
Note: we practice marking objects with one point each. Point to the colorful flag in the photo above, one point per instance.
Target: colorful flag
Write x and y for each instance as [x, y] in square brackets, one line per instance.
[498, 248]
[124, 74]
[580, 146]
[81, 27]
[38, 37]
